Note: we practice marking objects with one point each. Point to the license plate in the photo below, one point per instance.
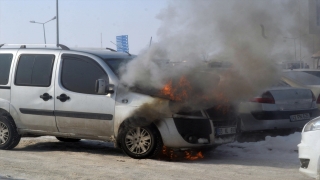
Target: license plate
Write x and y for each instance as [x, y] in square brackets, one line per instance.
[300, 117]
[224, 131]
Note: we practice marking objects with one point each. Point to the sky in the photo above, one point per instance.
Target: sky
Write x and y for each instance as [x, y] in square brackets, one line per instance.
[81, 22]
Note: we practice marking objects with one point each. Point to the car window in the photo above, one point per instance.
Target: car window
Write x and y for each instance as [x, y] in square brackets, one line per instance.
[34, 70]
[303, 78]
[79, 73]
[5, 64]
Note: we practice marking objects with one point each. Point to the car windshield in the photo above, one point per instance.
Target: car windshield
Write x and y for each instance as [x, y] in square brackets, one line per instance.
[116, 64]
[305, 78]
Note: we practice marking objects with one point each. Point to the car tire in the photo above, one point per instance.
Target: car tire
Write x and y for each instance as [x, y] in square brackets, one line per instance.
[141, 142]
[9, 136]
[67, 139]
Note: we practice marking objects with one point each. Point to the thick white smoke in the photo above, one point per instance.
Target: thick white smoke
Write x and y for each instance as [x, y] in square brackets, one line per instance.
[249, 34]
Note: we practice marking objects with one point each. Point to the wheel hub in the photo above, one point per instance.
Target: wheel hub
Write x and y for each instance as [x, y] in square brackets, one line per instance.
[4, 133]
[138, 140]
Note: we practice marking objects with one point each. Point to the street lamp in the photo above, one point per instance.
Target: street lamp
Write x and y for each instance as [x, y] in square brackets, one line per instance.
[44, 31]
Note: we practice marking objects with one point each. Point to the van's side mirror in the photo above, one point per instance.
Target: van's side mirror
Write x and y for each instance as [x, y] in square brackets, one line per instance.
[102, 87]
[110, 89]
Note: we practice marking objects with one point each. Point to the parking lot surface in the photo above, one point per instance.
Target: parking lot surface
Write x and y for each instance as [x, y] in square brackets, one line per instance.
[47, 158]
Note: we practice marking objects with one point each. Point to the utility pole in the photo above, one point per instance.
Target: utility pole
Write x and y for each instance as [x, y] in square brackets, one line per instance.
[101, 40]
[57, 6]
[300, 35]
[150, 41]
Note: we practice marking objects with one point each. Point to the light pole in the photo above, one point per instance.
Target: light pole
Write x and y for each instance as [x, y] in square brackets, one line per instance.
[44, 31]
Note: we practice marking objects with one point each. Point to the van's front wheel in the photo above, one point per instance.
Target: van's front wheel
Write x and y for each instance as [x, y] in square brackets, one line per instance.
[141, 142]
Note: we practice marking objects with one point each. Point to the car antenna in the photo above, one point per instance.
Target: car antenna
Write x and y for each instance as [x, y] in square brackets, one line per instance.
[111, 49]
[128, 53]
[117, 51]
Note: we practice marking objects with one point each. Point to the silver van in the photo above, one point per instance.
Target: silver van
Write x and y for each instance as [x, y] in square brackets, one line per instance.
[75, 94]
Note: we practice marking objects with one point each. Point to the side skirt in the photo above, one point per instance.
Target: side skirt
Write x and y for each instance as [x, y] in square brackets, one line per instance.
[27, 132]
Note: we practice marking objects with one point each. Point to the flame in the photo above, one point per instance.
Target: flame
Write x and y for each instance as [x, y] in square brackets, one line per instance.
[189, 155]
[179, 91]
[169, 153]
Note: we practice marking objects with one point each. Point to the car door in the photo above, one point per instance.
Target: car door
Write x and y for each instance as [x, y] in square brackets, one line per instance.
[78, 108]
[32, 89]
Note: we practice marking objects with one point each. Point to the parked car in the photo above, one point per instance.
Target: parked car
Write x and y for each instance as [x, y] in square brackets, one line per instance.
[279, 108]
[75, 94]
[308, 78]
[309, 149]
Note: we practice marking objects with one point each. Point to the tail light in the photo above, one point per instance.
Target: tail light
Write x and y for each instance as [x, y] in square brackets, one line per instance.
[318, 100]
[265, 98]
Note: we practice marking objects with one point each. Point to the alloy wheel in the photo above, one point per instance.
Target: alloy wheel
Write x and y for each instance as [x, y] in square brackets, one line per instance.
[4, 133]
[138, 140]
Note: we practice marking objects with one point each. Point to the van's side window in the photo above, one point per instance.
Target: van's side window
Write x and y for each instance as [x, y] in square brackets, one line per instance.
[34, 70]
[79, 73]
[5, 65]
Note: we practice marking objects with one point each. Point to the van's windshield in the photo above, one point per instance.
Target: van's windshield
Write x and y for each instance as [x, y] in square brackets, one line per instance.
[116, 64]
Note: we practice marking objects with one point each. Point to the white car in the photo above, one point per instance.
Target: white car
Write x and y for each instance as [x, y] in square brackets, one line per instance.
[309, 149]
[307, 78]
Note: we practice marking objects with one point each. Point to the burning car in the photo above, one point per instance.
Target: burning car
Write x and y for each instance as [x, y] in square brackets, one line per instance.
[76, 94]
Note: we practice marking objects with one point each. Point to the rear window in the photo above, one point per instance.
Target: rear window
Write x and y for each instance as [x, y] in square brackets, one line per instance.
[281, 84]
[315, 73]
[5, 65]
[304, 78]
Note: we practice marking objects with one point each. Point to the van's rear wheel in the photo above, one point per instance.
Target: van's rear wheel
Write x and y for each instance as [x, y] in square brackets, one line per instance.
[9, 136]
[67, 139]
[141, 142]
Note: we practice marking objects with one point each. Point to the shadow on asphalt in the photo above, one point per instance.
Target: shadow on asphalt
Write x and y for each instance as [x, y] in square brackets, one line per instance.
[94, 147]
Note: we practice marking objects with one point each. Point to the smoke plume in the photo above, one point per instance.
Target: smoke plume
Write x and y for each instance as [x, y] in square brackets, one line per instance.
[194, 34]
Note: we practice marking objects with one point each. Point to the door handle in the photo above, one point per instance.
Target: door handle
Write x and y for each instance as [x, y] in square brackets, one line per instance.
[63, 97]
[46, 96]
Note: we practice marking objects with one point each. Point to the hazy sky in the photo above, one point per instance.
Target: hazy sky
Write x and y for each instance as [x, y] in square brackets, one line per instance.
[81, 22]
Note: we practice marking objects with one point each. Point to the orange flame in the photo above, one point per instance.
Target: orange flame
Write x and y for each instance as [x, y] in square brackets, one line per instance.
[178, 92]
[189, 155]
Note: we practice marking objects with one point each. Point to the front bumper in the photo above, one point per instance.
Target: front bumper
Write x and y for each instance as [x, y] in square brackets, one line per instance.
[309, 149]
[270, 120]
[190, 133]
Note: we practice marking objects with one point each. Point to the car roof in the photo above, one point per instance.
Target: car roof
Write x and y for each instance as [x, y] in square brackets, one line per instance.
[102, 53]
[105, 54]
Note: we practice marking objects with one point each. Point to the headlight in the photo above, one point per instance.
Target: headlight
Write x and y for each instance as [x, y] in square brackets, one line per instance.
[312, 125]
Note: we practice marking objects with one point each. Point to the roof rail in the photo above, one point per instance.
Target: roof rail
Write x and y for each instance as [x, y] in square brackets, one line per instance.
[23, 46]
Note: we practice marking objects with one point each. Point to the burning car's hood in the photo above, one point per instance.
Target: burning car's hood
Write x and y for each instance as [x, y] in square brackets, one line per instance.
[137, 96]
